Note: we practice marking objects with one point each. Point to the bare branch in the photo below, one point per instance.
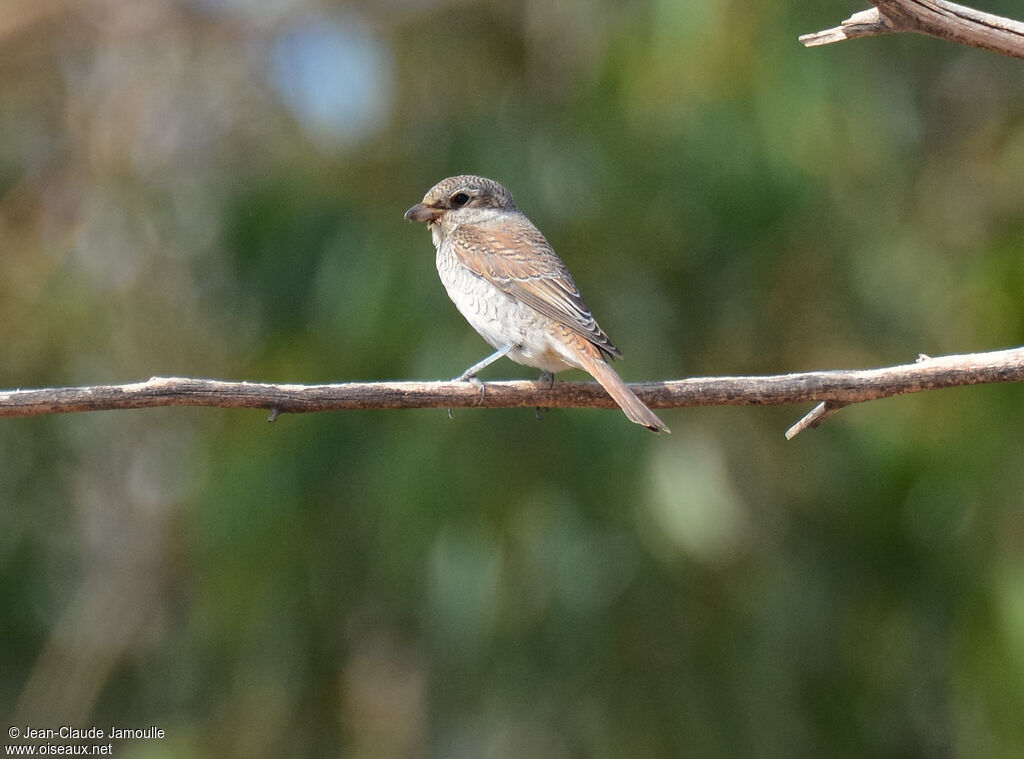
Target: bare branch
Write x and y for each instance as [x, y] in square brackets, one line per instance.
[937, 18]
[831, 389]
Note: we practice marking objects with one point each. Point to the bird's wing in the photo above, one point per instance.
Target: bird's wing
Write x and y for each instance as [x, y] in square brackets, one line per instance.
[516, 258]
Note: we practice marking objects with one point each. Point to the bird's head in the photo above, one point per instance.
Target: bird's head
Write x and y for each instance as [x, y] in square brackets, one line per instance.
[462, 199]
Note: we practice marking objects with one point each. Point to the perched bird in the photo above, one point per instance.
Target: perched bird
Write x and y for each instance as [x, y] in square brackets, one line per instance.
[510, 285]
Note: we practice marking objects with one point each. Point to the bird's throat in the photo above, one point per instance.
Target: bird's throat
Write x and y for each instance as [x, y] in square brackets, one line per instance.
[435, 233]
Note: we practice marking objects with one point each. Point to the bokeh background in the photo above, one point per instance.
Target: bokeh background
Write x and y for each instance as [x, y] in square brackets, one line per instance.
[215, 188]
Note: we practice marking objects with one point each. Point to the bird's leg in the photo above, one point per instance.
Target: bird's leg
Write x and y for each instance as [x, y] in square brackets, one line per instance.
[479, 366]
[470, 374]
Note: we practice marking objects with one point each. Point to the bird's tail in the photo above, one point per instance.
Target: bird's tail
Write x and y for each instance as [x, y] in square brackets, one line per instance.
[632, 407]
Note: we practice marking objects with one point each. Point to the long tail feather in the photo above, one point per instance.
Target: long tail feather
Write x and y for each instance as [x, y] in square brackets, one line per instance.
[632, 407]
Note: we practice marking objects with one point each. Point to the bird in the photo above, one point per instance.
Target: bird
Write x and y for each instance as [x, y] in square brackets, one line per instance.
[507, 281]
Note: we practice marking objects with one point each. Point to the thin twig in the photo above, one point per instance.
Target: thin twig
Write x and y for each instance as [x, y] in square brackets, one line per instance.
[937, 18]
[835, 388]
[816, 416]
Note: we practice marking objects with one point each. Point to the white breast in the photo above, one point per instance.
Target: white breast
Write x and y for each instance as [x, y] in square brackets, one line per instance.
[499, 318]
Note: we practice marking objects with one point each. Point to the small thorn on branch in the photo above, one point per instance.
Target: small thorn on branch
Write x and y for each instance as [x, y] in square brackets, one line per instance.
[274, 413]
[869, 23]
[818, 414]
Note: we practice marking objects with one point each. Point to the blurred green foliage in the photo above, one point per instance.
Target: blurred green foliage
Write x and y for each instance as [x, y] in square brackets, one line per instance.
[216, 188]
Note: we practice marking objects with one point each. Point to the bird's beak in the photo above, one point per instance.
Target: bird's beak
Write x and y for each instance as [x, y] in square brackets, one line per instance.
[423, 212]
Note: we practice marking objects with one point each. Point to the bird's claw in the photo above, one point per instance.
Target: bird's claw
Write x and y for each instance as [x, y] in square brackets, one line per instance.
[472, 379]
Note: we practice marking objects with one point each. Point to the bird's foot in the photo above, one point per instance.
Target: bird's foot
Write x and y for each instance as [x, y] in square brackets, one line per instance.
[472, 378]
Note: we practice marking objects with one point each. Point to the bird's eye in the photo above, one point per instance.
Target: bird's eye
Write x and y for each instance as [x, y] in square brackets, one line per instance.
[459, 199]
